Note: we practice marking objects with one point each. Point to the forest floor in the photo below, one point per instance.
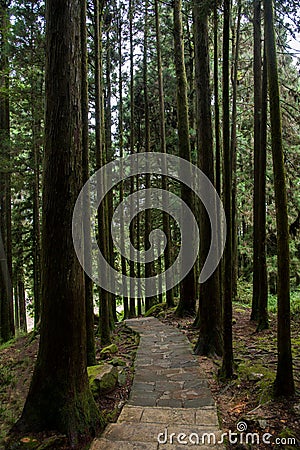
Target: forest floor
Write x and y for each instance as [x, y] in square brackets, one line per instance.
[16, 367]
[247, 398]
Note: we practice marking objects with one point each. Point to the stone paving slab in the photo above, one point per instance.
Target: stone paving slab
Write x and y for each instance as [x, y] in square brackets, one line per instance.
[105, 444]
[150, 432]
[170, 404]
[183, 416]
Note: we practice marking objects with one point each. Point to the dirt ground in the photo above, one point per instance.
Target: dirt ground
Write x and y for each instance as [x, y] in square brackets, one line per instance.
[246, 399]
[16, 368]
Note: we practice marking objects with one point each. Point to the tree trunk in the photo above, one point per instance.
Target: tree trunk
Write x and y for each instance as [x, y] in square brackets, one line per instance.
[284, 383]
[233, 146]
[17, 312]
[104, 322]
[109, 158]
[263, 319]
[89, 302]
[36, 98]
[227, 366]
[121, 148]
[187, 301]
[217, 126]
[59, 397]
[6, 291]
[163, 149]
[36, 226]
[132, 310]
[149, 267]
[22, 303]
[257, 66]
[209, 317]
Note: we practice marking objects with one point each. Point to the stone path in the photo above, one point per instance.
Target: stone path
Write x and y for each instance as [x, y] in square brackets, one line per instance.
[170, 405]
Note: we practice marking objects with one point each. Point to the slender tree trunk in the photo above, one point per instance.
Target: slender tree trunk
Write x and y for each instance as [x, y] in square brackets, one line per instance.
[109, 158]
[89, 301]
[121, 148]
[284, 383]
[104, 323]
[132, 310]
[187, 301]
[257, 67]
[19, 276]
[59, 397]
[6, 292]
[36, 95]
[233, 146]
[217, 126]
[17, 312]
[149, 267]
[263, 319]
[227, 366]
[138, 247]
[209, 315]
[22, 304]
[217, 101]
[36, 225]
[163, 149]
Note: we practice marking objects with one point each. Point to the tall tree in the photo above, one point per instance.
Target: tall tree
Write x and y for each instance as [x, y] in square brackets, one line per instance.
[163, 148]
[132, 310]
[210, 308]
[236, 31]
[217, 104]
[227, 367]
[149, 267]
[217, 123]
[263, 318]
[284, 382]
[36, 40]
[257, 69]
[59, 397]
[89, 301]
[6, 292]
[187, 301]
[109, 151]
[104, 323]
[121, 148]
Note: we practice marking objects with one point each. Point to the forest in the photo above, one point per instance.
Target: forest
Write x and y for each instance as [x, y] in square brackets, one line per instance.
[187, 115]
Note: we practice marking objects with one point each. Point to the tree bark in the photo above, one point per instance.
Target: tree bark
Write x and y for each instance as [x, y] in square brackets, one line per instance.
[149, 267]
[210, 312]
[257, 69]
[89, 301]
[263, 318]
[22, 304]
[187, 301]
[227, 366]
[132, 309]
[109, 158]
[284, 382]
[121, 148]
[163, 149]
[6, 291]
[59, 397]
[104, 322]
[233, 146]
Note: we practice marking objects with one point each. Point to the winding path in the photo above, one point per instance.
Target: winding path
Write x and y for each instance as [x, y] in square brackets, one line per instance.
[170, 405]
